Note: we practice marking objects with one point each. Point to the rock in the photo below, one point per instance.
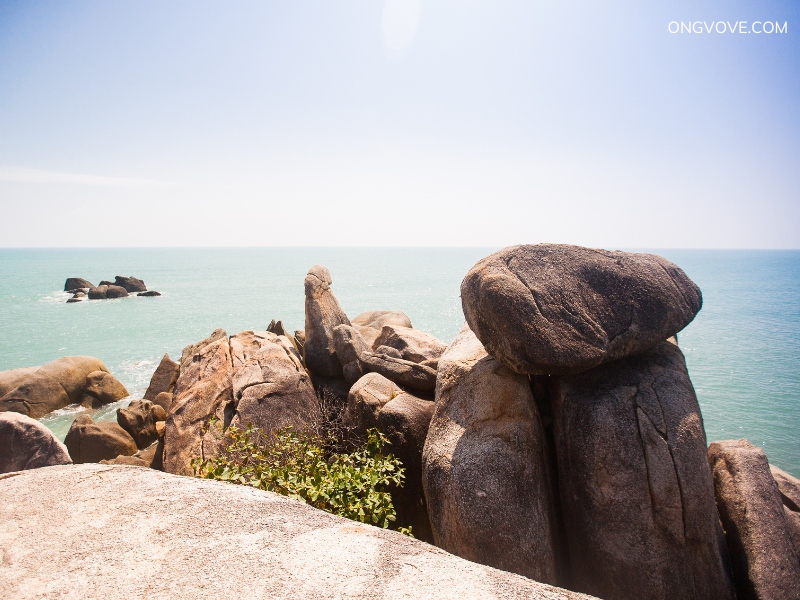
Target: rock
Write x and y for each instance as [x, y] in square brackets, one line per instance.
[404, 372]
[129, 520]
[323, 314]
[405, 420]
[276, 327]
[789, 488]
[163, 379]
[387, 351]
[271, 388]
[349, 347]
[50, 387]
[153, 454]
[413, 345]
[370, 324]
[74, 300]
[765, 561]
[79, 295]
[139, 419]
[98, 293]
[106, 283]
[116, 291]
[149, 294]
[203, 390]
[365, 400]
[558, 309]
[102, 388]
[14, 377]
[484, 468]
[76, 283]
[27, 444]
[300, 340]
[130, 284]
[164, 400]
[636, 491]
[88, 441]
[133, 461]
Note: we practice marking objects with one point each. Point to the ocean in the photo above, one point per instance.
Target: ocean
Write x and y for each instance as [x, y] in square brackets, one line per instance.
[742, 350]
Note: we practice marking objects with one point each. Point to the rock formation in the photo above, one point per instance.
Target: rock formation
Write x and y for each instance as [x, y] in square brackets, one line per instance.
[58, 384]
[350, 347]
[789, 487]
[557, 309]
[366, 399]
[323, 314]
[103, 292]
[765, 562]
[484, 466]
[27, 444]
[371, 323]
[140, 419]
[77, 283]
[102, 388]
[130, 284]
[636, 491]
[90, 442]
[163, 379]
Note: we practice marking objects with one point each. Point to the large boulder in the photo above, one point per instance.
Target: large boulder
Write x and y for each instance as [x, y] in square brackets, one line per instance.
[366, 399]
[103, 292]
[130, 284]
[123, 532]
[102, 388]
[636, 491]
[203, 390]
[371, 323]
[323, 313]
[789, 488]
[404, 372]
[163, 379]
[90, 442]
[27, 444]
[77, 283]
[765, 561]
[350, 346]
[558, 309]
[404, 420]
[50, 387]
[484, 467]
[116, 291]
[12, 378]
[271, 388]
[414, 345]
[140, 419]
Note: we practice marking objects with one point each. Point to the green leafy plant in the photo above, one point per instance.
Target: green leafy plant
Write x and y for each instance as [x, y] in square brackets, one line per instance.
[349, 484]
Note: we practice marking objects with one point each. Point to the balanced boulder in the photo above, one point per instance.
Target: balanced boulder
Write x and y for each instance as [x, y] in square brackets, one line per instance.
[50, 387]
[484, 468]
[636, 490]
[77, 283]
[140, 419]
[559, 309]
[163, 379]
[765, 562]
[371, 323]
[27, 444]
[323, 314]
[130, 284]
[88, 441]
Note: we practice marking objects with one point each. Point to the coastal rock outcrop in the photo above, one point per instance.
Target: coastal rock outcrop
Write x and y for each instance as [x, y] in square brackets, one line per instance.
[74, 284]
[27, 444]
[765, 561]
[55, 385]
[558, 309]
[163, 379]
[636, 491]
[103, 292]
[90, 442]
[203, 390]
[130, 284]
[484, 467]
[323, 314]
[140, 419]
[128, 520]
[370, 324]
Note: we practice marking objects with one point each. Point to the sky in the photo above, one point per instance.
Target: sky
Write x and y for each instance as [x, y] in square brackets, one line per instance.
[399, 123]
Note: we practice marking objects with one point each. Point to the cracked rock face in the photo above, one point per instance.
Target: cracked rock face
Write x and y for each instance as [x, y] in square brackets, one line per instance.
[323, 314]
[558, 309]
[635, 485]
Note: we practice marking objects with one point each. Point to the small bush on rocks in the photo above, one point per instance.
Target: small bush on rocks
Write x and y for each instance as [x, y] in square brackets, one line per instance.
[349, 484]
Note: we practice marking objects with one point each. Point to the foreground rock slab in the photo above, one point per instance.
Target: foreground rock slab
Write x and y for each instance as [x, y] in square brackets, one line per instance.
[553, 309]
[154, 535]
[27, 444]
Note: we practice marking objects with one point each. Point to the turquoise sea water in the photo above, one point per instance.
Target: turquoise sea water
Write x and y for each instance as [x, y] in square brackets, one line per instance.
[743, 349]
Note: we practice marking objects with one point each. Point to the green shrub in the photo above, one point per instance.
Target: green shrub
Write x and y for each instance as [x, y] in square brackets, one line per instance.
[352, 485]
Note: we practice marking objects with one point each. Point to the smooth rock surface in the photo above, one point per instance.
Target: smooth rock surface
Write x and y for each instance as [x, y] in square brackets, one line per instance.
[12, 378]
[27, 444]
[323, 313]
[156, 536]
[102, 388]
[557, 309]
[52, 386]
[366, 399]
[414, 345]
[485, 474]
[77, 283]
[765, 562]
[163, 379]
[636, 491]
[370, 323]
[90, 442]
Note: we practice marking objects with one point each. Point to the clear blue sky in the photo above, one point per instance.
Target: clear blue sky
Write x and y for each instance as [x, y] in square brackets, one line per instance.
[440, 122]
